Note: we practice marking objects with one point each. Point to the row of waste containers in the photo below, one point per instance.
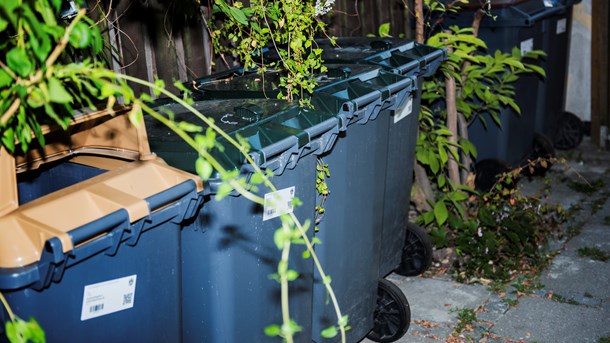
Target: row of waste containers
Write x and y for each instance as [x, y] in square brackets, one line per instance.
[110, 243]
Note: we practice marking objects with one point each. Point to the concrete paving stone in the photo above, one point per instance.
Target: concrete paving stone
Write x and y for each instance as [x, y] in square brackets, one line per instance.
[436, 300]
[546, 321]
[591, 235]
[420, 334]
[571, 276]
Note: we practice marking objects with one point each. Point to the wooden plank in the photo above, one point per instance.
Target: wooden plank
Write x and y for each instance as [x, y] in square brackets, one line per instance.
[600, 74]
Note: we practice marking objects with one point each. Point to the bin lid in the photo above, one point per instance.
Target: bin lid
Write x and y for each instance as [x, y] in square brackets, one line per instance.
[240, 84]
[352, 49]
[476, 4]
[259, 121]
[24, 231]
[103, 139]
[102, 133]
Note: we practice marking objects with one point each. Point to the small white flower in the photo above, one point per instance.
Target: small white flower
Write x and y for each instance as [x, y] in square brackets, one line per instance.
[323, 7]
[479, 232]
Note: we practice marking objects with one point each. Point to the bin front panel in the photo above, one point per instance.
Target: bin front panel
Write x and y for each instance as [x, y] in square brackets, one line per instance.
[402, 136]
[350, 229]
[557, 46]
[228, 295]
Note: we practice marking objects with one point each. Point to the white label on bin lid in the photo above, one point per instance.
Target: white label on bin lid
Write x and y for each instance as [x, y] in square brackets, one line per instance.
[562, 26]
[107, 297]
[404, 111]
[278, 203]
[548, 3]
[527, 46]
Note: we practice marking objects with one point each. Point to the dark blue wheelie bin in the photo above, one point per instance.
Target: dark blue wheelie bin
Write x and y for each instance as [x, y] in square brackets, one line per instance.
[528, 25]
[90, 246]
[228, 258]
[410, 59]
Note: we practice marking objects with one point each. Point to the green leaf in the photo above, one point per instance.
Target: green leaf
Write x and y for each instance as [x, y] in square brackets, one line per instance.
[8, 139]
[81, 36]
[291, 275]
[329, 332]
[440, 212]
[3, 24]
[57, 92]
[279, 237]
[537, 69]
[36, 98]
[204, 168]
[21, 331]
[188, 127]
[272, 330]
[238, 15]
[384, 30]
[306, 254]
[19, 62]
[223, 190]
[5, 78]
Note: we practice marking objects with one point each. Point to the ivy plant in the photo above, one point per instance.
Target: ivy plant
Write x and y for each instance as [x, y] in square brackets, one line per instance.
[285, 26]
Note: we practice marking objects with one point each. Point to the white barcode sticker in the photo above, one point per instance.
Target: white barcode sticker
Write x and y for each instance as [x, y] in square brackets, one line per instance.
[278, 203]
[404, 111]
[562, 26]
[527, 46]
[107, 297]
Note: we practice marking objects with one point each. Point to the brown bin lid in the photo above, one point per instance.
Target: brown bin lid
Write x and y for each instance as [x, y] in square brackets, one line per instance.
[101, 139]
[24, 231]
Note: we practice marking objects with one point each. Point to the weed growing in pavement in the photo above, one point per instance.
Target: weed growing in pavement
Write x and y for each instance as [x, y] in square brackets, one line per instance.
[607, 220]
[466, 319]
[594, 253]
[562, 299]
[604, 340]
[510, 302]
[527, 283]
[587, 187]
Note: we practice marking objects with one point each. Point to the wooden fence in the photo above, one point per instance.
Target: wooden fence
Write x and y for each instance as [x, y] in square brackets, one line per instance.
[150, 39]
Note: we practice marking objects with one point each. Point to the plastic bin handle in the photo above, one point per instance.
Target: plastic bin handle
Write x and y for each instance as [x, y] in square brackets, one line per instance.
[532, 18]
[98, 226]
[170, 195]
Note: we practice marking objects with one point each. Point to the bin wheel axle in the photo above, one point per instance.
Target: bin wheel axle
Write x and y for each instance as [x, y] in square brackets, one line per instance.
[392, 313]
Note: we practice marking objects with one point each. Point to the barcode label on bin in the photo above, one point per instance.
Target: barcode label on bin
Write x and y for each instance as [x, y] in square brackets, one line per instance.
[278, 203]
[562, 26]
[107, 297]
[527, 46]
[404, 111]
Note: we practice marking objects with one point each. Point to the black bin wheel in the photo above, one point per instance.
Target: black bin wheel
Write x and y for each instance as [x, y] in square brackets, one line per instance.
[487, 173]
[417, 252]
[392, 313]
[570, 132]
